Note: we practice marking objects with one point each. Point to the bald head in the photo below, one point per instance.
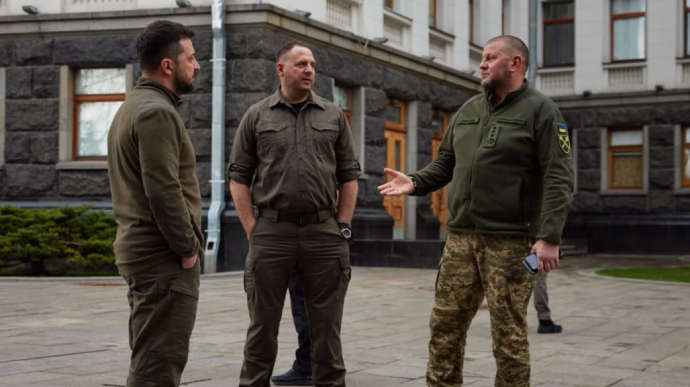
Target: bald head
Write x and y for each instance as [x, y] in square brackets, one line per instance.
[513, 46]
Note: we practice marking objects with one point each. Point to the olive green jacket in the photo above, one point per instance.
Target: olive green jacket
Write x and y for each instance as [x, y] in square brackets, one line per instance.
[509, 167]
[152, 170]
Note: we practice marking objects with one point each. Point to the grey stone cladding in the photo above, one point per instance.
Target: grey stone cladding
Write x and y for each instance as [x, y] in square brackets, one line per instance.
[33, 105]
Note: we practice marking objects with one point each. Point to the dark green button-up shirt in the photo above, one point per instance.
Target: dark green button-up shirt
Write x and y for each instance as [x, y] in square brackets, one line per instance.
[293, 161]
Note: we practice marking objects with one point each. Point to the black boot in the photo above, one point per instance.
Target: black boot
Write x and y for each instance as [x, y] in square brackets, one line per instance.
[547, 326]
[292, 378]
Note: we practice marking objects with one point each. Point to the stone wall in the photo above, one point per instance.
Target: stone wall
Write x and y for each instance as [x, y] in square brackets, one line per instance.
[660, 120]
[32, 154]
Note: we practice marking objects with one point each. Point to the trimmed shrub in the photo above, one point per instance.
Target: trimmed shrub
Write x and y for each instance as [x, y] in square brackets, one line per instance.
[56, 241]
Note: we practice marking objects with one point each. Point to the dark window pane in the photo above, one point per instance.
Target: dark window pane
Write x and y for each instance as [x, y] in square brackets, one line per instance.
[629, 39]
[559, 10]
[393, 113]
[559, 44]
[628, 6]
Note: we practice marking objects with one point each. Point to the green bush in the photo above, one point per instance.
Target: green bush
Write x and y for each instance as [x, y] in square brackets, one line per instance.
[56, 241]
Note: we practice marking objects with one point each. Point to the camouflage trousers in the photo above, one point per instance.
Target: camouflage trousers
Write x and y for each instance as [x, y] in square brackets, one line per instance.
[474, 266]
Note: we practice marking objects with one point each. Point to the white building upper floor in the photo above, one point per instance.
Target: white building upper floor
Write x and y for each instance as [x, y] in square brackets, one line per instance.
[583, 46]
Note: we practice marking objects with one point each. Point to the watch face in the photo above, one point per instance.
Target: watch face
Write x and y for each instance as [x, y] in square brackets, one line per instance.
[347, 233]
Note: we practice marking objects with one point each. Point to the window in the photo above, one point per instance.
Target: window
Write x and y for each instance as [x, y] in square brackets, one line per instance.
[626, 159]
[559, 34]
[628, 29]
[687, 29]
[685, 167]
[433, 13]
[389, 3]
[98, 93]
[342, 97]
[471, 15]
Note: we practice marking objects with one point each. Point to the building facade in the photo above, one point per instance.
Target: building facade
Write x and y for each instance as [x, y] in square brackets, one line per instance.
[618, 69]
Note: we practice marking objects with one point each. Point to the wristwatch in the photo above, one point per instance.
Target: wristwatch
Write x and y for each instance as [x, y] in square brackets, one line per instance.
[346, 230]
[414, 182]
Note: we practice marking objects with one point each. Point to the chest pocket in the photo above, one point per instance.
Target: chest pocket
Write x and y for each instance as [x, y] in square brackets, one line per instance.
[272, 138]
[323, 135]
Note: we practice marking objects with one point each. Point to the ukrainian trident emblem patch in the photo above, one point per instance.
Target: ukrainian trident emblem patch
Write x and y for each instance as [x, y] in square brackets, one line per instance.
[563, 139]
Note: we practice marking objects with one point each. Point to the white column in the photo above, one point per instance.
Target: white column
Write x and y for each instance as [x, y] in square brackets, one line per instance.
[661, 47]
[372, 15]
[411, 166]
[488, 20]
[591, 22]
[456, 17]
[418, 11]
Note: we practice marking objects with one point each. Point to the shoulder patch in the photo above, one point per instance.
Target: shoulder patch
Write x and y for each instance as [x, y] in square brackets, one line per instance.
[563, 138]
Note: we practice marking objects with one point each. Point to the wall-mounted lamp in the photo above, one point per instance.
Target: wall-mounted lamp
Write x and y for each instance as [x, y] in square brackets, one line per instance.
[586, 93]
[303, 13]
[30, 9]
[183, 3]
[380, 40]
[467, 71]
[659, 87]
[428, 57]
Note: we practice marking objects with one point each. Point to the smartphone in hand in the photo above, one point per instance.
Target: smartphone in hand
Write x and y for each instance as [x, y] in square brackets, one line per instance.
[530, 262]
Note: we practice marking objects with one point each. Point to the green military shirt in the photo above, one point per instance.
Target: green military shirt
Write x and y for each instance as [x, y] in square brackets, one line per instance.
[293, 161]
[509, 167]
[152, 171]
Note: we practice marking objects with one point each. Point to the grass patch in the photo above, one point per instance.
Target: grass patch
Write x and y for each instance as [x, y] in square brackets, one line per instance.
[668, 274]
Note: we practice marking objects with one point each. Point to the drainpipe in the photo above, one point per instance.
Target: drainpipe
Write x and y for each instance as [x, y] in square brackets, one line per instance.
[532, 71]
[217, 139]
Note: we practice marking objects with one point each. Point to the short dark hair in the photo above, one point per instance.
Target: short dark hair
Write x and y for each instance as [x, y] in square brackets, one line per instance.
[287, 47]
[515, 45]
[160, 40]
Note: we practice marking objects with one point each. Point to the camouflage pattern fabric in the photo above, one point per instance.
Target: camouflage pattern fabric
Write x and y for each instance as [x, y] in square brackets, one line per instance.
[474, 266]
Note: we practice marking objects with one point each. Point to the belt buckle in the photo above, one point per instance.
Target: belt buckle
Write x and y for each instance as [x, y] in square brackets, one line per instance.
[302, 221]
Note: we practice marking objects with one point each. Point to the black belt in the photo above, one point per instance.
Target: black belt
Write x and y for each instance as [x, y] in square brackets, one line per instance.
[301, 219]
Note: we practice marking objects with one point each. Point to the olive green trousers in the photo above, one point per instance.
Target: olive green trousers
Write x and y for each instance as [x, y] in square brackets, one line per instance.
[319, 254]
[163, 303]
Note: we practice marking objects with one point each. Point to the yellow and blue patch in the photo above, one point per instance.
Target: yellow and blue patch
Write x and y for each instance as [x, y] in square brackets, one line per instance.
[563, 139]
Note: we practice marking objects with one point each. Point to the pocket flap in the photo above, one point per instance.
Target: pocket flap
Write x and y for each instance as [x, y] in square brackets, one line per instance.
[511, 120]
[270, 127]
[324, 126]
[466, 121]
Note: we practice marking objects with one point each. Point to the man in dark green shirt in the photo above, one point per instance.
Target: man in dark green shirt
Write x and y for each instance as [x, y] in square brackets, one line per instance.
[157, 207]
[296, 152]
[506, 159]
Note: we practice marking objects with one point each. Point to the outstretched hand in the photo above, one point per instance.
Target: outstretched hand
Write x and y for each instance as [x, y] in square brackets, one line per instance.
[400, 185]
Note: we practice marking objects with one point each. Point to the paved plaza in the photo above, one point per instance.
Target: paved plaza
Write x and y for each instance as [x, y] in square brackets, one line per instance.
[622, 333]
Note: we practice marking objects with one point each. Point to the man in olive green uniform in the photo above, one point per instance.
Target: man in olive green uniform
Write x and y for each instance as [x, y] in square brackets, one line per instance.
[296, 152]
[157, 206]
[506, 155]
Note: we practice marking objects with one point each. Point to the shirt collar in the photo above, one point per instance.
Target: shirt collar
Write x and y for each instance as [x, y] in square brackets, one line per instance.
[147, 83]
[277, 98]
[510, 96]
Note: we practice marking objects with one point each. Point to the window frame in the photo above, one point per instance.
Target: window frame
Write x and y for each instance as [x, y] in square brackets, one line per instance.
[86, 98]
[434, 6]
[392, 125]
[625, 16]
[471, 23]
[390, 4]
[684, 145]
[686, 16]
[624, 148]
[348, 112]
[546, 22]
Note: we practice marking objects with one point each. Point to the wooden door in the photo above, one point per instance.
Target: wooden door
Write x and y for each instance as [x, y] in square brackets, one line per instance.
[395, 159]
[439, 199]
